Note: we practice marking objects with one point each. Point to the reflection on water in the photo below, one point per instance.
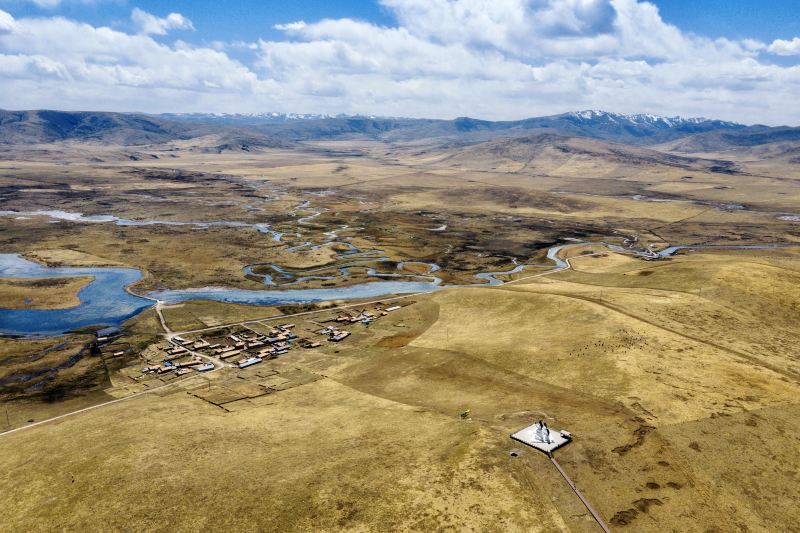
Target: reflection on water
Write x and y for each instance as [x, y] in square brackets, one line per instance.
[104, 300]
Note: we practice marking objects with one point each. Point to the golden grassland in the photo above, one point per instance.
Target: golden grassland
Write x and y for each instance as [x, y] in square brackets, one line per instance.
[679, 378]
[680, 385]
[41, 293]
[309, 458]
[65, 257]
[203, 314]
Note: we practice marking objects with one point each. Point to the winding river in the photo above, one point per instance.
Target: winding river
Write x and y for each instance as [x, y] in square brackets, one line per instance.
[105, 300]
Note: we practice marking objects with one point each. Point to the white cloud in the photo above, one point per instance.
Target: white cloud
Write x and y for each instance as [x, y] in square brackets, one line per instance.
[6, 21]
[753, 45]
[782, 47]
[445, 58]
[292, 26]
[515, 26]
[522, 58]
[105, 60]
[151, 24]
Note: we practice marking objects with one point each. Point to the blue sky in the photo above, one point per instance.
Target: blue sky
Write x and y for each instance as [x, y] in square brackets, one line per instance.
[253, 19]
[499, 59]
[214, 20]
[760, 19]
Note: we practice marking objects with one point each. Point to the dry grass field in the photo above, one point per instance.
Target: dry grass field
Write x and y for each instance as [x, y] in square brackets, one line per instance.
[653, 379]
[679, 378]
[45, 293]
[204, 314]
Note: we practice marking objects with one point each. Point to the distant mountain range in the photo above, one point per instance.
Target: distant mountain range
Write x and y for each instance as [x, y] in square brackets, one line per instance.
[27, 127]
[577, 116]
[125, 129]
[633, 129]
[657, 121]
[244, 118]
[248, 131]
[638, 129]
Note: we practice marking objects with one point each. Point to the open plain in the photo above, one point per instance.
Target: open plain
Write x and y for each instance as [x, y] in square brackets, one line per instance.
[679, 376]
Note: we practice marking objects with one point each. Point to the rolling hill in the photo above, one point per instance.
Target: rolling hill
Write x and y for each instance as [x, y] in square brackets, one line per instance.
[18, 127]
[546, 151]
[641, 129]
[124, 129]
[676, 134]
[719, 141]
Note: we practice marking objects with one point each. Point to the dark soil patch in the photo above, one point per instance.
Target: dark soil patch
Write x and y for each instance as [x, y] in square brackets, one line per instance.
[639, 434]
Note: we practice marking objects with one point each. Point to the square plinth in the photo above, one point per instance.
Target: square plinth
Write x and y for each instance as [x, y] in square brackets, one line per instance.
[527, 436]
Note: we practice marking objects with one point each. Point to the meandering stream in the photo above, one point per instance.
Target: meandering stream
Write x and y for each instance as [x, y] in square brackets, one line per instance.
[105, 301]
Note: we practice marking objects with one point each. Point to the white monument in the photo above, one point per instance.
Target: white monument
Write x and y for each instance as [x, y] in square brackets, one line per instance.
[541, 437]
[541, 433]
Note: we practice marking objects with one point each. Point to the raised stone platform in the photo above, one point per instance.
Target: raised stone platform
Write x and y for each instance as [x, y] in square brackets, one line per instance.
[545, 441]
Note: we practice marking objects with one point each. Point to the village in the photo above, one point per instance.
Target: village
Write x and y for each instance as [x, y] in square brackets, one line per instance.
[244, 345]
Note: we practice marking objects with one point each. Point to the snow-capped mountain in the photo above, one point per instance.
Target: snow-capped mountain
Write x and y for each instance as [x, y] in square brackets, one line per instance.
[618, 127]
[641, 129]
[645, 119]
[276, 129]
[245, 118]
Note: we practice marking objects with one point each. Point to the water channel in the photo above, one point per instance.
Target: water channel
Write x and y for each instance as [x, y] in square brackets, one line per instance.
[105, 300]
